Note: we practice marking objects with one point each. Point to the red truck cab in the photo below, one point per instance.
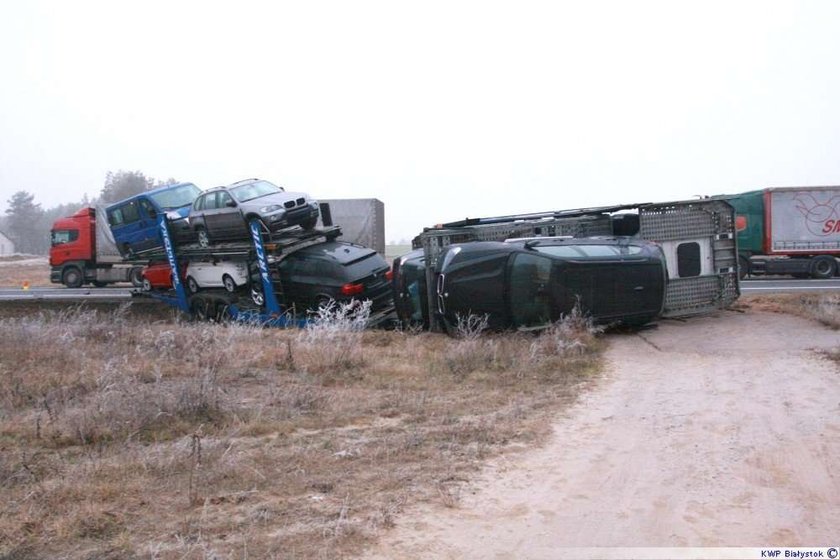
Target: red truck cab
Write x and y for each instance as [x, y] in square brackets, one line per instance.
[74, 259]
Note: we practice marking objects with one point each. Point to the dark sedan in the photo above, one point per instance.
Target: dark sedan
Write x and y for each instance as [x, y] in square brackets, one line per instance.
[523, 284]
[223, 213]
[332, 271]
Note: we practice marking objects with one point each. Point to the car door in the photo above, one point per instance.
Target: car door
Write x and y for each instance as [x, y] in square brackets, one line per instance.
[530, 294]
[229, 218]
[126, 226]
[212, 220]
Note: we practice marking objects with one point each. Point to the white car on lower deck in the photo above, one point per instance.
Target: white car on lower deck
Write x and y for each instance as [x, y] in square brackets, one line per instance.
[229, 275]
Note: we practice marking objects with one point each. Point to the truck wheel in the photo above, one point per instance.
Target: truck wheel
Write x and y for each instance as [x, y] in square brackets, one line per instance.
[743, 267]
[72, 277]
[823, 267]
[228, 283]
[135, 276]
[200, 308]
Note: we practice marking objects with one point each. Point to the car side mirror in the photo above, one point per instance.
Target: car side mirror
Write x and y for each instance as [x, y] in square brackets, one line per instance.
[230, 204]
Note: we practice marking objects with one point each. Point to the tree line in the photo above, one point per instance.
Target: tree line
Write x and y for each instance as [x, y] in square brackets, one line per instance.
[28, 224]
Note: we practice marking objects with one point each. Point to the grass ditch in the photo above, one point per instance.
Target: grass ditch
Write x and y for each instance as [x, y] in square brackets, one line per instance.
[122, 437]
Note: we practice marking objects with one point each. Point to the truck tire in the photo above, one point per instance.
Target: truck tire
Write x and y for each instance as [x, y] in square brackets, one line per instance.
[743, 267]
[72, 277]
[135, 276]
[200, 308]
[823, 267]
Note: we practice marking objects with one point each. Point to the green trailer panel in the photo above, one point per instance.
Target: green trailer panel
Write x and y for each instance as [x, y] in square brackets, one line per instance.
[749, 221]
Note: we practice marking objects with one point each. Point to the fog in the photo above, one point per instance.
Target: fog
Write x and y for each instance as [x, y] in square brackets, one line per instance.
[442, 110]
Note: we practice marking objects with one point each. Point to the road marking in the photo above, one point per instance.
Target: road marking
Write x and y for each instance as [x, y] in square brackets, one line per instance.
[786, 288]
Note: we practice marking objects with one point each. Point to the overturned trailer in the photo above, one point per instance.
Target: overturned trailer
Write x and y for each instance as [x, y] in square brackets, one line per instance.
[697, 238]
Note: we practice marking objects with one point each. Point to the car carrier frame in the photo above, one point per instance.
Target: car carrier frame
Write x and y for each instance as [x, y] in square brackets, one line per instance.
[708, 224]
[265, 251]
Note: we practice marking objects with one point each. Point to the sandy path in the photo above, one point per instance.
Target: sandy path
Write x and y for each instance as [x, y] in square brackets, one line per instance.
[719, 431]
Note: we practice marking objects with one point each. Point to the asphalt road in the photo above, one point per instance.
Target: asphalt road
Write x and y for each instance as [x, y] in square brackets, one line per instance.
[754, 286]
[66, 294]
[776, 285]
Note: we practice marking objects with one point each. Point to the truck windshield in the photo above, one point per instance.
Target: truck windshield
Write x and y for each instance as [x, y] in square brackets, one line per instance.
[62, 236]
[176, 197]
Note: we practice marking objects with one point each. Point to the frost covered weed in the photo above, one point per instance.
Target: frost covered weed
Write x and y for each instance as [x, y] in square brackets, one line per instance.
[553, 348]
[332, 340]
[570, 337]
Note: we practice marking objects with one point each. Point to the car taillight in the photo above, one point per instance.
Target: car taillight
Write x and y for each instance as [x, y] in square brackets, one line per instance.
[352, 289]
[389, 275]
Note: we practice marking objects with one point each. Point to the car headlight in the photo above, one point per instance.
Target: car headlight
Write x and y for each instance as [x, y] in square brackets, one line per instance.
[270, 209]
[173, 216]
[314, 204]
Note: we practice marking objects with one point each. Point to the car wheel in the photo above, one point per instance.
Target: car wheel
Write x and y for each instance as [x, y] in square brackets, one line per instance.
[72, 277]
[135, 276]
[228, 283]
[147, 285]
[309, 224]
[257, 296]
[823, 267]
[99, 284]
[127, 251]
[203, 238]
[192, 285]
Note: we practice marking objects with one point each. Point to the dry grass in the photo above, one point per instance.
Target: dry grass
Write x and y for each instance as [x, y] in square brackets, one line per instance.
[823, 308]
[124, 438]
[16, 270]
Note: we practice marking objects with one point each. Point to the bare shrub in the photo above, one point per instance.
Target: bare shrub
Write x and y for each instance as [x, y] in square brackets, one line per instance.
[570, 337]
[331, 341]
[470, 327]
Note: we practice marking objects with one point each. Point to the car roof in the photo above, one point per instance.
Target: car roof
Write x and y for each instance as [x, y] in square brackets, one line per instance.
[147, 193]
[339, 251]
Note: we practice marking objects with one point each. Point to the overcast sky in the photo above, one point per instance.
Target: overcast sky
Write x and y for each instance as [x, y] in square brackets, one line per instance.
[442, 110]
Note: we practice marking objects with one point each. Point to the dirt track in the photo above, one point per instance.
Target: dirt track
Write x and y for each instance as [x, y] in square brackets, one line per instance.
[719, 431]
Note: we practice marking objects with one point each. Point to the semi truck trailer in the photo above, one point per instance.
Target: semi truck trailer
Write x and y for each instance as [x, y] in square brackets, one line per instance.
[794, 230]
[82, 251]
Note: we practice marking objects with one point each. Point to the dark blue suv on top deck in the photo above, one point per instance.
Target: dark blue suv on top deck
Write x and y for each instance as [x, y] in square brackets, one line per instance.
[134, 221]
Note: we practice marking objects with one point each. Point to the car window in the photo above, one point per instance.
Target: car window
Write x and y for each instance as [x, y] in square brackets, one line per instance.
[125, 214]
[588, 251]
[530, 291]
[199, 203]
[176, 197]
[254, 190]
[147, 206]
[210, 201]
[223, 199]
